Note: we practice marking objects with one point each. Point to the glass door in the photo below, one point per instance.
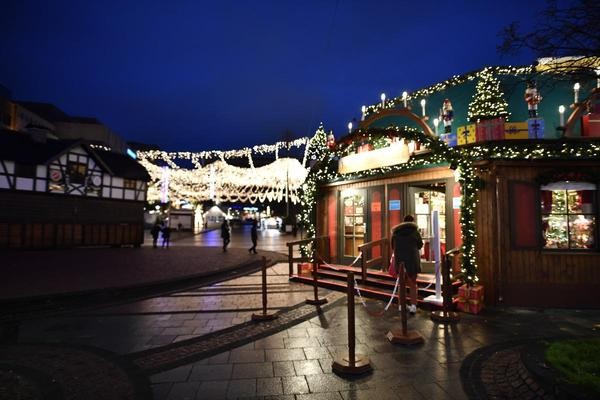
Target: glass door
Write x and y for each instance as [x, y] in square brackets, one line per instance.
[354, 218]
[428, 198]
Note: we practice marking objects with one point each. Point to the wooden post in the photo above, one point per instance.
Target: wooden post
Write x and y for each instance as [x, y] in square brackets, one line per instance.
[403, 335]
[363, 267]
[264, 316]
[446, 315]
[291, 258]
[316, 301]
[351, 363]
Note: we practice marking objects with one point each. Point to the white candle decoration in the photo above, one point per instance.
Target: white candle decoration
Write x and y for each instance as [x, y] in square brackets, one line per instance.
[561, 111]
[404, 98]
[598, 79]
[576, 88]
[423, 106]
[364, 112]
[382, 100]
[349, 127]
[436, 122]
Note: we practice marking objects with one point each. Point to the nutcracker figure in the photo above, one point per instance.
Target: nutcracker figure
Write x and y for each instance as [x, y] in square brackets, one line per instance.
[532, 98]
[447, 116]
[330, 140]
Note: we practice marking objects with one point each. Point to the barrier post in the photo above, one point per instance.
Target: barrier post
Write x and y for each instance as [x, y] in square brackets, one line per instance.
[264, 316]
[403, 335]
[446, 315]
[351, 363]
[315, 301]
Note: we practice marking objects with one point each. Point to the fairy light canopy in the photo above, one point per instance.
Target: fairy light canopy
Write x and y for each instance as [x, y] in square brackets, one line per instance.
[212, 175]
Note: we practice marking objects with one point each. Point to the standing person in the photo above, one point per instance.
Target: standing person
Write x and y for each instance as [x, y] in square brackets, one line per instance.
[253, 237]
[154, 232]
[407, 243]
[166, 235]
[225, 234]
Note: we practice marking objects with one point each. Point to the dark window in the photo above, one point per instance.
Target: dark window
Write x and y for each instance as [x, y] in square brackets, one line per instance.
[129, 183]
[569, 215]
[25, 170]
[76, 172]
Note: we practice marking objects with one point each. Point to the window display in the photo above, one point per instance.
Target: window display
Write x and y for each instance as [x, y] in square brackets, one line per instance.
[425, 203]
[354, 225]
[568, 215]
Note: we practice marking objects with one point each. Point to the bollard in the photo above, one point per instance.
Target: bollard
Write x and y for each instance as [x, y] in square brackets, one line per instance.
[403, 335]
[316, 301]
[351, 363]
[264, 316]
[446, 315]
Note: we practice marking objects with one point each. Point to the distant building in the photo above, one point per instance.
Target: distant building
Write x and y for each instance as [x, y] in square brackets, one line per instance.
[64, 193]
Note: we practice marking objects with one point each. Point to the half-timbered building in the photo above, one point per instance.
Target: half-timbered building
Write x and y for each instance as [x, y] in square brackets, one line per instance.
[65, 193]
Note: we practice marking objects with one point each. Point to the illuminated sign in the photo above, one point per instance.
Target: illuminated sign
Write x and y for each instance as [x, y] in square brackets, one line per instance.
[395, 154]
[394, 205]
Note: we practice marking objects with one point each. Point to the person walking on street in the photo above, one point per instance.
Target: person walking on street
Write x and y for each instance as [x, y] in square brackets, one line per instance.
[407, 243]
[253, 237]
[166, 235]
[154, 232]
[225, 234]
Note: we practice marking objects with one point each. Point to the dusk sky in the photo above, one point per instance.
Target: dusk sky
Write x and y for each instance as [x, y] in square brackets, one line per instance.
[203, 75]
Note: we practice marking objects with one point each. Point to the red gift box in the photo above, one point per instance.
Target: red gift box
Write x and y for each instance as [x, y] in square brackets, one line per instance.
[304, 268]
[491, 129]
[591, 125]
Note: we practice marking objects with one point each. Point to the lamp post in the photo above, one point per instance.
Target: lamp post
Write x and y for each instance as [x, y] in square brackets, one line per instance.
[423, 106]
[561, 111]
[576, 88]
[382, 100]
[404, 98]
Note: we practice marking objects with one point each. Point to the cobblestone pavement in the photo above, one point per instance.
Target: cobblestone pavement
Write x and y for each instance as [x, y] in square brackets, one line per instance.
[199, 344]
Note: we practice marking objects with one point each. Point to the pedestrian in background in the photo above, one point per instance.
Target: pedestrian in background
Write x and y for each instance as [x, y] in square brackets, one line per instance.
[166, 235]
[407, 243]
[154, 232]
[225, 234]
[253, 237]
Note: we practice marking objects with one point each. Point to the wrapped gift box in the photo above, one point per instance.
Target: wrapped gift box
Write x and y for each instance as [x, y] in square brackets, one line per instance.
[488, 130]
[304, 268]
[536, 128]
[471, 306]
[465, 134]
[449, 138]
[516, 130]
[473, 292]
[590, 124]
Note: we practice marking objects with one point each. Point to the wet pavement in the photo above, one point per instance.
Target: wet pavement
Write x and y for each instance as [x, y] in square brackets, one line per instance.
[200, 343]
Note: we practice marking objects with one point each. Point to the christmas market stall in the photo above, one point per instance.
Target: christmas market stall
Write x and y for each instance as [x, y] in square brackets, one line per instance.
[502, 163]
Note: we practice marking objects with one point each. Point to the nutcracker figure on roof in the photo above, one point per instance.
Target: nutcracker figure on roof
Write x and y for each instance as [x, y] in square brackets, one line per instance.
[532, 98]
[447, 115]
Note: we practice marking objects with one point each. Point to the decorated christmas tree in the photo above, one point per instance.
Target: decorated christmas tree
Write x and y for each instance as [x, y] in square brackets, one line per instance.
[318, 144]
[488, 101]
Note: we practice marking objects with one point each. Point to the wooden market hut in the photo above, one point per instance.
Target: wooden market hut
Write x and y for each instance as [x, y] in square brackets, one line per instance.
[526, 187]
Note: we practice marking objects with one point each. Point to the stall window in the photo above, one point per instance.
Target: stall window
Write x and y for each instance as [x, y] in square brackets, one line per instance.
[568, 212]
[354, 223]
[129, 183]
[432, 198]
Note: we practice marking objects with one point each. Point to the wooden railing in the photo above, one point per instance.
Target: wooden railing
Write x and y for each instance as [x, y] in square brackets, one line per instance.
[367, 250]
[320, 247]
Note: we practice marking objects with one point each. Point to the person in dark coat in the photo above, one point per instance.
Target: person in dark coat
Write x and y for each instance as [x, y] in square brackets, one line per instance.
[253, 237]
[154, 232]
[407, 244]
[166, 235]
[225, 234]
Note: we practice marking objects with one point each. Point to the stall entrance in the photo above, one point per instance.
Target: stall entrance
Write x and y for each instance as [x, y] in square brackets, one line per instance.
[427, 198]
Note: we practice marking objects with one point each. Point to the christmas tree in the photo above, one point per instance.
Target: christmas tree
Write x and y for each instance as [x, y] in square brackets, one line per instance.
[318, 144]
[488, 101]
